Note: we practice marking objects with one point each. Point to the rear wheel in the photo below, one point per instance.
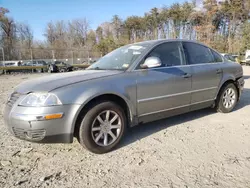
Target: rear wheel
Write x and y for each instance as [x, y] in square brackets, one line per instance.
[227, 98]
[102, 127]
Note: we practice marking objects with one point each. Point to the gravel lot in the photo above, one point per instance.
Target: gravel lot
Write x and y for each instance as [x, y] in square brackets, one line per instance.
[198, 149]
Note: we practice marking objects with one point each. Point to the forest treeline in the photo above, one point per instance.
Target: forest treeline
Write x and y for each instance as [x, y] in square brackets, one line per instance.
[223, 25]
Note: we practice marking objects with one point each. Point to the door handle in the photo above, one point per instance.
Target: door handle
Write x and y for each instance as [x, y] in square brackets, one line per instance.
[186, 75]
[218, 71]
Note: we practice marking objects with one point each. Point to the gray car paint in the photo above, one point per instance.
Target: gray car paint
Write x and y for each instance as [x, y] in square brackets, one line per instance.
[61, 80]
[149, 94]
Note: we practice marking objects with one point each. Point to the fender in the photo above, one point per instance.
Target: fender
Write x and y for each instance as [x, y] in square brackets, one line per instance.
[83, 93]
[131, 107]
[225, 78]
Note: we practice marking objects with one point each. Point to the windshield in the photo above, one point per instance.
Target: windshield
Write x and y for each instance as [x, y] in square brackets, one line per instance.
[121, 58]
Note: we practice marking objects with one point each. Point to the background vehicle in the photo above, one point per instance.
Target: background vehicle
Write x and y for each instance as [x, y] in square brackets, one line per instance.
[134, 84]
[59, 66]
[1, 65]
[37, 63]
[229, 57]
[247, 60]
[12, 63]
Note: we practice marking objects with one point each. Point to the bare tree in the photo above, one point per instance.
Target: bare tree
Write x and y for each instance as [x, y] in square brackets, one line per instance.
[7, 29]
[106, 29]
[25, 35]
[50, 33]
[79, 29]
[117, 26]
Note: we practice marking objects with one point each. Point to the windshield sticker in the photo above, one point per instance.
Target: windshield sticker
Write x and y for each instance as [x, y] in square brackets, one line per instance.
[135, 47]
[125, 51]
[125, 65]
[136, 53]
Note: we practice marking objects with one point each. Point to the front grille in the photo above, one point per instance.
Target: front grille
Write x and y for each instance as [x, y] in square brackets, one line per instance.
[33, 135]
[13, 98]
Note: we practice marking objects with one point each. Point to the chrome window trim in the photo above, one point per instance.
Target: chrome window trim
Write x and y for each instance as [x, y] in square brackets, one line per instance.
[159, 111]
[179, 66]
[134, 66]
[177, 94]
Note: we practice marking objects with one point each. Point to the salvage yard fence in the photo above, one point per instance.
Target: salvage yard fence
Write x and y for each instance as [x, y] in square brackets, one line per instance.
[79, 58]
[70, 56]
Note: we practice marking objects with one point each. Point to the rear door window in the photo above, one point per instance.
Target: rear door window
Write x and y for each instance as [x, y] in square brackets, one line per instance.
[197, 54]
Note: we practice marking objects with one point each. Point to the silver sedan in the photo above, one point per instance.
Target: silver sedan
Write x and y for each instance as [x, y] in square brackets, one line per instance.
[134, 84]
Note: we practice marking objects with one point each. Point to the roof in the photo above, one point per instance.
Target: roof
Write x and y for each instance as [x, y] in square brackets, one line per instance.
[169, 40]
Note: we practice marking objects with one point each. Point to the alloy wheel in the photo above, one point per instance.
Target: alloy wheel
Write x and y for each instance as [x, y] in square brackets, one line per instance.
[106, 128]
[229, 98]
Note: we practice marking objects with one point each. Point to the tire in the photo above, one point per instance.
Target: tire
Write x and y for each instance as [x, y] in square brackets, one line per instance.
[87, 134]
[225, 103]
[49, 69]
[62, 70]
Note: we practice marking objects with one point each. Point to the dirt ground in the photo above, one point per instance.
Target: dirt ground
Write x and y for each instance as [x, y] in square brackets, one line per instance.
[198, 149]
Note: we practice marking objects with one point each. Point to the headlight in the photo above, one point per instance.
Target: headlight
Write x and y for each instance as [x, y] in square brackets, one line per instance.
[40, 99]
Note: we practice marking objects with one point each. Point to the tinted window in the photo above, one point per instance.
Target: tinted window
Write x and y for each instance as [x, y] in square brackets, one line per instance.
[217, 57]
[197, 54]
[170, 53]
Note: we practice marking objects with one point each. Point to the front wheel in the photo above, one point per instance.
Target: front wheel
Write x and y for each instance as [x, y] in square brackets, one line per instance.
[102, 127]
[227, 98]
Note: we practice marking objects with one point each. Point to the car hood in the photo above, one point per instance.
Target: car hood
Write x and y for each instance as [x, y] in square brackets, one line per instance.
[48, 83]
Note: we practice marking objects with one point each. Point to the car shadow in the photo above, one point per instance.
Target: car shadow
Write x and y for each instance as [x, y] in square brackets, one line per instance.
[144, 130]
[244, 100]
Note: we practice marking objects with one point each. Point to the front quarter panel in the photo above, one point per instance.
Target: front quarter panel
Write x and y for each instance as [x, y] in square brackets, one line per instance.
[122, 85]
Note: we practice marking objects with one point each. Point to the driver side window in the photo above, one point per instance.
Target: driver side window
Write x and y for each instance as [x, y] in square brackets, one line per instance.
[170, 54]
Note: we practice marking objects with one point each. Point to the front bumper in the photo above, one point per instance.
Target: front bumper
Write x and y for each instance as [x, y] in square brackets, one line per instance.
[22, 123]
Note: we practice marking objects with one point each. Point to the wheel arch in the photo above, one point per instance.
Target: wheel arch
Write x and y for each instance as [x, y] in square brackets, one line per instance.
[228, 81]
[119, 100]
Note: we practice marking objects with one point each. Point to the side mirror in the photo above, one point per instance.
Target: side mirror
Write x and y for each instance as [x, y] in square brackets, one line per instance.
[151, 62]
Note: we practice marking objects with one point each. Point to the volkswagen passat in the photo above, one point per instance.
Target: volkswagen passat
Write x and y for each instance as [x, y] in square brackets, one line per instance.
[134, 84]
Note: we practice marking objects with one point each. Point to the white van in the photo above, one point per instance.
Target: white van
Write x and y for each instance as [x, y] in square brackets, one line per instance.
[12, 63]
